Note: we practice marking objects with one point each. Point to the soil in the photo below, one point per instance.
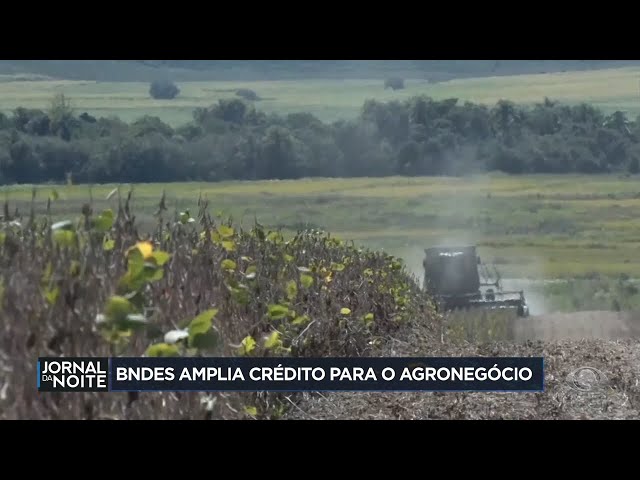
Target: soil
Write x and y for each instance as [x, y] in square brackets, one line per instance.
[606, 341]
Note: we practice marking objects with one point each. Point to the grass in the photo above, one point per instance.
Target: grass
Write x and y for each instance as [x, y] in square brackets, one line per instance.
[537, 226]
[611, 89]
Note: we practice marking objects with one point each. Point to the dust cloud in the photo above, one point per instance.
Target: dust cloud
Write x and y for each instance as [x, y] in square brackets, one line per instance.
[461, 207]
[471, 205]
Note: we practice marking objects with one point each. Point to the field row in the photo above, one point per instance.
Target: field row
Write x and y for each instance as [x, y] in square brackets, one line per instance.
[531, 226]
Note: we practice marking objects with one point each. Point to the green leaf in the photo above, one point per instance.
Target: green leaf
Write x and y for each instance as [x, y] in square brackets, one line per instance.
[74, 268]
[141, 272]
[247, 346]
[278, 312]
[201, 333]
[275, 237]
[161, 257]
[240, 294]
[65, 238]
[229, 245]
[368, 318]
[306, 280]
[108, 245]
[185, 217]
[162, 350]
[288, 258]
[338, 267]
[132, 284]
[135, 260]
[104, 221]
[205, 341]
[51, 295]
[117, 336]
[300, 320]
[225, 231]
[292, 290]
[396, 265]
[202, 323]
[345, 311]
[251, 272]
[152, 273]
[117, 309]
[134, 278]
[228, 265]
[272, 340]
[253, 411]
[200, 329]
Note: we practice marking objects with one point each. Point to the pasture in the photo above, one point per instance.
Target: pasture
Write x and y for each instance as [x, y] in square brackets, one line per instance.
[329, 100]
[535, 226]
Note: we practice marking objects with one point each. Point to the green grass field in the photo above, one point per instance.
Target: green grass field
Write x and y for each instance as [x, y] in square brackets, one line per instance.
[539, 227]
[613, 89]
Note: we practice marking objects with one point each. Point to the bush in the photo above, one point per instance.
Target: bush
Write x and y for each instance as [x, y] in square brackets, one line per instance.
[164, 90]
[394, 83]
[248, 94]
[85, 117]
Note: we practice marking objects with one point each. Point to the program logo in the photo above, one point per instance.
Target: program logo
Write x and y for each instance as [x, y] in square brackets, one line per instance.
[73, 374]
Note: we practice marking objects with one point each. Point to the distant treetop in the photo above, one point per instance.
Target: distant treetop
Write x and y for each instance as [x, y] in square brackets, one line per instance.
[164, 90]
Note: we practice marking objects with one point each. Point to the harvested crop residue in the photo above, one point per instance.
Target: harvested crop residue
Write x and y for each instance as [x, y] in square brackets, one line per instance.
[614, 396]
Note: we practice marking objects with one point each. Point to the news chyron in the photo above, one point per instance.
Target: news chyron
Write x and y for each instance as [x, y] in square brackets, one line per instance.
[73, 375]
[260, 374]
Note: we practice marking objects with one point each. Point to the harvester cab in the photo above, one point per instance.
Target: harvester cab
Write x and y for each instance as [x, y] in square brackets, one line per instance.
[458, 279]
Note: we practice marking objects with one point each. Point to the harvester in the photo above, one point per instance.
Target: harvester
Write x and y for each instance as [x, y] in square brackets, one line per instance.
[458, 280]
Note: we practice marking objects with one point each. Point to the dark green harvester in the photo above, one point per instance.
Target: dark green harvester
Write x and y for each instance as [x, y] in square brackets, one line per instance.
[459, 280]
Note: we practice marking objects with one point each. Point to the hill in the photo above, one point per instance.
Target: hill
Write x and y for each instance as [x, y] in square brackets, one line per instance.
[200, 70]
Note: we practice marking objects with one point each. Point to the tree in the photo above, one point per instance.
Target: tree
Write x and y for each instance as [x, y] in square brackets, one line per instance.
[248, 94]
[164, 90]
[618, 121]
[61, 116]
[148, 124]
[278, 154]
[409, 159]
[232, 111]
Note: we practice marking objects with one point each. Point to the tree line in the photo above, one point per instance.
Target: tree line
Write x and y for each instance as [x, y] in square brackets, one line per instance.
[232, 140]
